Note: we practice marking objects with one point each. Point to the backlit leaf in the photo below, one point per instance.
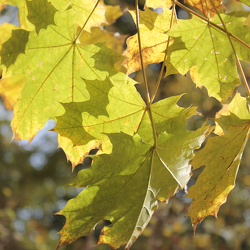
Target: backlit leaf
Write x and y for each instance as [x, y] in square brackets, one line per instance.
[207, 50]
[124, 187]
[112, 107]
[47, 84]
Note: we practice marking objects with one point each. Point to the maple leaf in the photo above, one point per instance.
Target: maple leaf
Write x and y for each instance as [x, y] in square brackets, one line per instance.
[114, 106]
[47, 84]
[153, 29]
[135, 172]
[206, 7]
[221, 156]
[212, 65]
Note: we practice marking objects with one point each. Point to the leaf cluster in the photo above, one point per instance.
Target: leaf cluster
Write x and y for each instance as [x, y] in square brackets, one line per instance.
[61, 64]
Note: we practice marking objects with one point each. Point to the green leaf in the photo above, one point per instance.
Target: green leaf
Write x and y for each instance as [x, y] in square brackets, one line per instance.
[114, 106]
[124, 187]
[41, 13]
[221, 156]
[208, 52]
[47, 84]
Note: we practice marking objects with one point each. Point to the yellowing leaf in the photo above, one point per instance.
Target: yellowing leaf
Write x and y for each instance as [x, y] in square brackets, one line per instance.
[153, 29]
[205, 6]
[208, 52]
[221, 156]
[124, 187]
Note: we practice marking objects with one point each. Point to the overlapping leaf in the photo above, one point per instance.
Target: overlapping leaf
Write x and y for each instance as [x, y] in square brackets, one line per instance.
[124, 187]
[221, 156]
[47, 84]
[153, 29]
[207, 50]
[113, 107]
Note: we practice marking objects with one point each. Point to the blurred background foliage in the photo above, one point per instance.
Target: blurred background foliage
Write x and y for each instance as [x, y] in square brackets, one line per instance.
[34, 177]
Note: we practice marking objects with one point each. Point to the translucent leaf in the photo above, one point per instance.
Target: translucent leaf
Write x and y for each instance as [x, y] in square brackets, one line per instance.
[47, 84]
[124, 187]
[112, 107]
[208, 52]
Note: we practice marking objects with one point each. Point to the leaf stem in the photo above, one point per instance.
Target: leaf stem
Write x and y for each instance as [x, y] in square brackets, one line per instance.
[140, 50]
[213, 24]
[236, 56]
[165, 57]
[148, 108]
[98, 1]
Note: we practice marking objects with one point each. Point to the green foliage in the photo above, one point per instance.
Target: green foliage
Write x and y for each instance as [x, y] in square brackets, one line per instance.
[145, 151]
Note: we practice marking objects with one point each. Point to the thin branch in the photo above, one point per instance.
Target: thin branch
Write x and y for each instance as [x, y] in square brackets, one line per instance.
[213, 24]
[83, 27]
[236, 56]
[165, 57]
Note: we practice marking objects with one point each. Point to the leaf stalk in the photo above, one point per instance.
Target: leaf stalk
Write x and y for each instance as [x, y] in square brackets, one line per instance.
[83, 27]
[148, 108]
[165, 57]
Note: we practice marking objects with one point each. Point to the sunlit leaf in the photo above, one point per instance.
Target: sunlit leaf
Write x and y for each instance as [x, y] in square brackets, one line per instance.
[112, 107]
[124, 187]
[208, 52]
[47, 84]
